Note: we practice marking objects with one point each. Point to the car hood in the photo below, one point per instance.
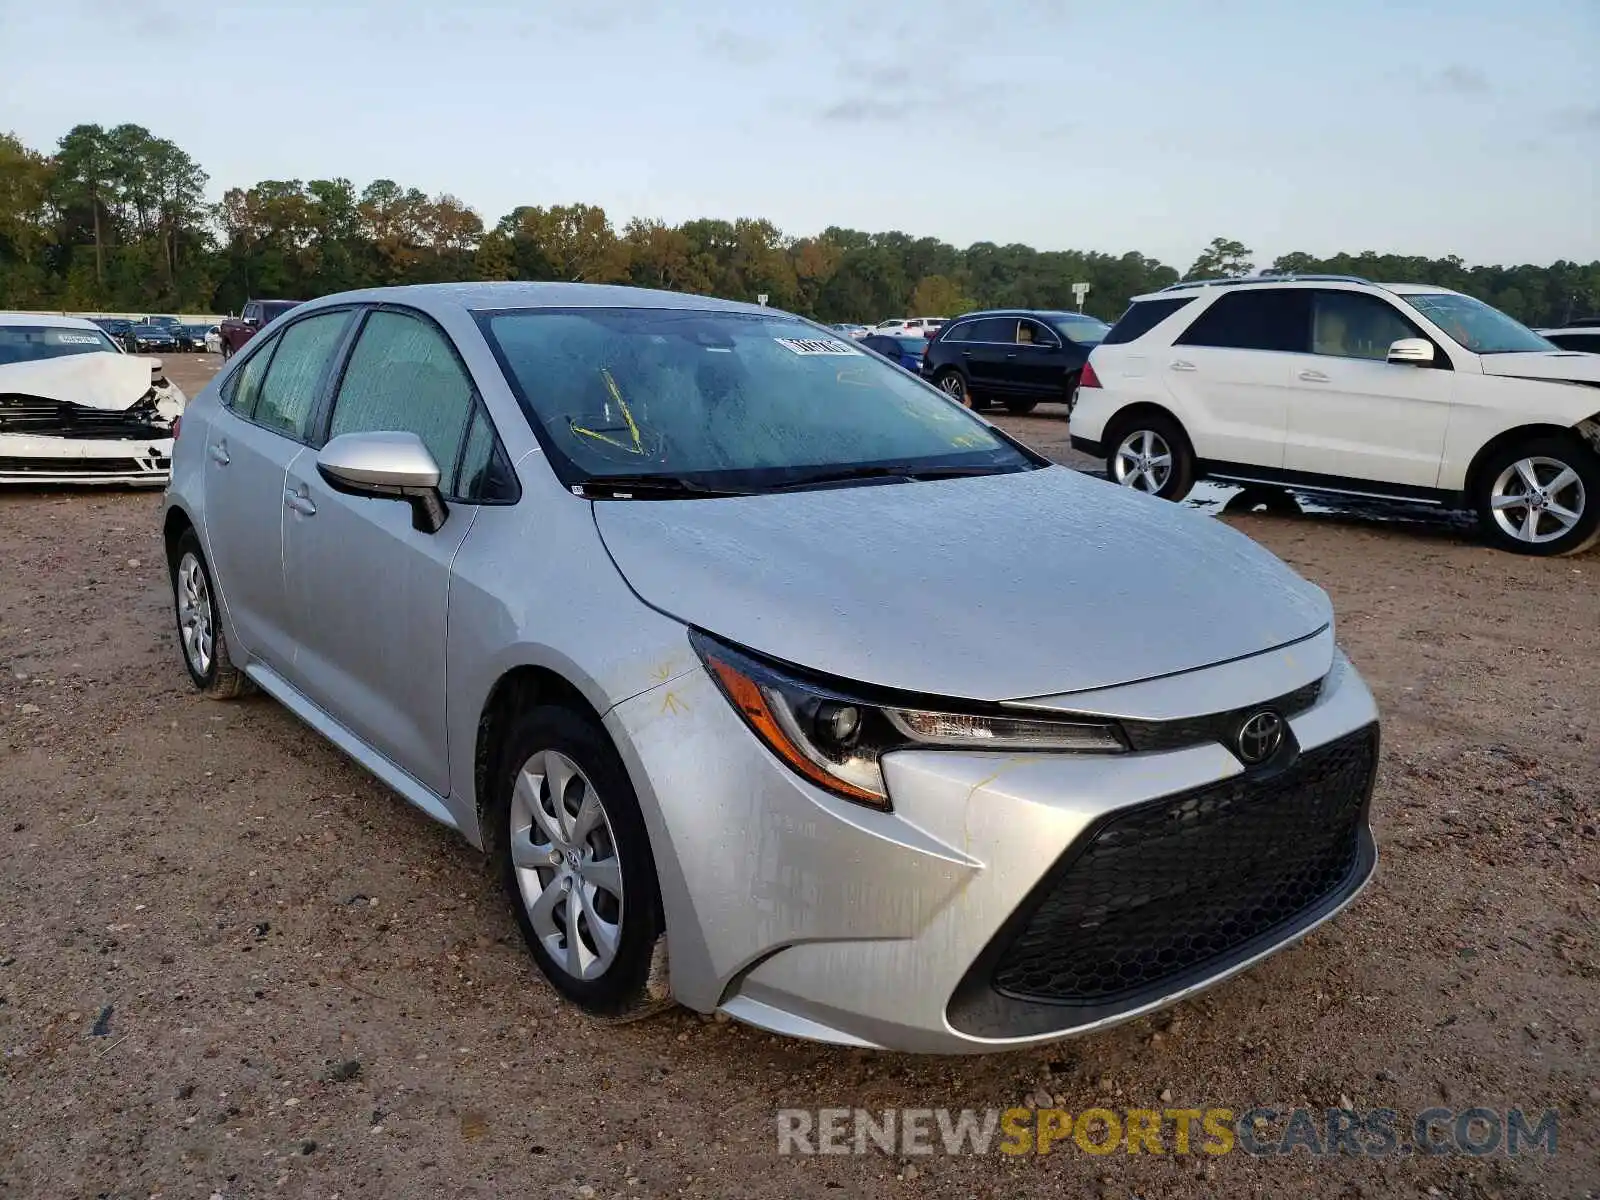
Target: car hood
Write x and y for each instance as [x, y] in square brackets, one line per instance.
[1566, 365]
[994, 588]
[109, 381]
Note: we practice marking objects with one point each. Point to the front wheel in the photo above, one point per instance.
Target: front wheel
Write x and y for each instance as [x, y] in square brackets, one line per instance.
[1021, 408]
[1541, 497]
[574, 858]
[200, 632]
[1152, 455]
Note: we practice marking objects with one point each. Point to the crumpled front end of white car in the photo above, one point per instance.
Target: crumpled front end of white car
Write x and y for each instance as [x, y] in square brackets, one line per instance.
[105, 425]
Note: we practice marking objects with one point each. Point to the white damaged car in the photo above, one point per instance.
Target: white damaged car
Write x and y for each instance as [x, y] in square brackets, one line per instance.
[74, 408]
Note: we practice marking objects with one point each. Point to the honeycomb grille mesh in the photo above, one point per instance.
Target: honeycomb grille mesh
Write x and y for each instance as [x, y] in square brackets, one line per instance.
[1165, 887]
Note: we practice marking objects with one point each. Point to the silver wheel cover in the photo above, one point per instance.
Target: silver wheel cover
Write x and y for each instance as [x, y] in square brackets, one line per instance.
[194, 614]
[566, 863]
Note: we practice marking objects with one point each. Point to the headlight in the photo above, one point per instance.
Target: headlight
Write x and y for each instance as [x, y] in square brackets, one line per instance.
[836, 738]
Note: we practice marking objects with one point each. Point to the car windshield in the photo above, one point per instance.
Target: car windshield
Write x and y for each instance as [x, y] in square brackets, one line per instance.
[1477, 326]
[1086, 331]
[732, 400]
[29, 343]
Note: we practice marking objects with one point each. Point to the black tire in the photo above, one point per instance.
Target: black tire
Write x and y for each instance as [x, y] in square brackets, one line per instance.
[1498, 479]
[1179, 480]
[954, 384]
[214, 673]
[634, 985]
[1019, 407]
[227, 351]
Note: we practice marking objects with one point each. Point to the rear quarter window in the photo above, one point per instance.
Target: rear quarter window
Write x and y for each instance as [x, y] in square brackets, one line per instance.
[1143, 316]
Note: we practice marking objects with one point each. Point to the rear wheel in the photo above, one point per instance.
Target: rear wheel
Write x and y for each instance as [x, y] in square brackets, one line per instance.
[227, 351]
[1151, 454]
[1541, 497]
[953, 384]
[200, 633]
[1020, 407]
[574, 858]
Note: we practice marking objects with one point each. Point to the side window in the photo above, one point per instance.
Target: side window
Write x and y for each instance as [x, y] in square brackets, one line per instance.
[993, 329]
[404, 376]
[251, 312]
[958, 333]
[1143, 316]
[289, 392]
[485, 471]
[244, 388]
[1031, 333]
[1356, 325]
[1589, 343]
[1265, 319]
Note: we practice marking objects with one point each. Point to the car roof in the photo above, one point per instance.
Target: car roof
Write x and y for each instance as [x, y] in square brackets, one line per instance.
[46, 320]
[492, 297]
[1252, 282]
[1048, 314]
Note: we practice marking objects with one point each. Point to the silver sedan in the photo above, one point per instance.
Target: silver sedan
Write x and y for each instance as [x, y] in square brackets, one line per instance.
[773, 681]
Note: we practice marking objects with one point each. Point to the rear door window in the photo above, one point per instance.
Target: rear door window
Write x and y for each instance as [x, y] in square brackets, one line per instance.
[294, 377]
[1143, 316]
[993, 329]
[1264, 319]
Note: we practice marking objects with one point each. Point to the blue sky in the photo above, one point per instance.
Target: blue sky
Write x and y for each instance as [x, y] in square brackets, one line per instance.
[1465, 126]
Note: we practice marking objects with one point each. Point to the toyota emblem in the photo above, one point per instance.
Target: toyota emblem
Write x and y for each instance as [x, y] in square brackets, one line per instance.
[1259, 737]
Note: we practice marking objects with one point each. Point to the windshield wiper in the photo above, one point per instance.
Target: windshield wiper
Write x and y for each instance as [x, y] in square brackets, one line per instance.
[627, 487]
[907, 473]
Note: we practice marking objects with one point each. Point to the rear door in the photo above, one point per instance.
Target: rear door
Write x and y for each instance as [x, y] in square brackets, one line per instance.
[1231, 372]
[258, 431]
[988, 355]
[1354, 415]
[369, 592]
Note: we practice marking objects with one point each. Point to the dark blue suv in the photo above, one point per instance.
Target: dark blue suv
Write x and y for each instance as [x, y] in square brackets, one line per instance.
[1017, 357]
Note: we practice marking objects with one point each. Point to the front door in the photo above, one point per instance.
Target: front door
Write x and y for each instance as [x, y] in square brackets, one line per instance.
[370, 592]
[1354, 415]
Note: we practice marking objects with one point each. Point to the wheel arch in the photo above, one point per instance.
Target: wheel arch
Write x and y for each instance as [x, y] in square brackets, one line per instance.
[1587, 431]
[174, 525]
[517, 689]
[1129, 413]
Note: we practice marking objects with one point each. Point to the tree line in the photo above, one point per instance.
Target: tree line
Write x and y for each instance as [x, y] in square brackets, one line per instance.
[116, 220]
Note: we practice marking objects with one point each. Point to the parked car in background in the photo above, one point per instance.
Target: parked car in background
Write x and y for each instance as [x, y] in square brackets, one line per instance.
[214, 340]
[856, 331]
[75, 408]
[147, 338]
[115, 327]
[194, 337]
[903, 349]
[167, 322]
[1018, 357]
[745, 664]
[921, 325]
[1581, 335]
[1331, 383]
[236, 331]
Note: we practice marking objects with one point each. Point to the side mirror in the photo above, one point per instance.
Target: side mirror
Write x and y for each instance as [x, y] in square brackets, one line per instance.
[386, 466]
[1412, 352]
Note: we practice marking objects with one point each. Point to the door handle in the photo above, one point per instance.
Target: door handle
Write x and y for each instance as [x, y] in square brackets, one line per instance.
[300, 502]
[1313, 377]
[966, 354]
[219, 454]
[1013, 354]
[1182, 364]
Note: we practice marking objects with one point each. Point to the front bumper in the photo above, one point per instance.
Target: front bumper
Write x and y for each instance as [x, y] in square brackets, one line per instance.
[41, 459]
[813, 917]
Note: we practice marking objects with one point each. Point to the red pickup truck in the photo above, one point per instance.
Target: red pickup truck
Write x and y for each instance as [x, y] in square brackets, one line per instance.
[236, 331]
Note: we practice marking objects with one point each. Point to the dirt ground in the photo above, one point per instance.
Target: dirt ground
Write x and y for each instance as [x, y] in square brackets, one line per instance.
[231, 964]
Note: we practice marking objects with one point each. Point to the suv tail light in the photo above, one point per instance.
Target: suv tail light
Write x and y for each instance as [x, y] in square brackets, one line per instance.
[177, 424]
[1088, 378]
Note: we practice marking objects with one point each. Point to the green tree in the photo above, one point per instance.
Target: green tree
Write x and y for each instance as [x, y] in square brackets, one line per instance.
[938, 296]
[1222, 259]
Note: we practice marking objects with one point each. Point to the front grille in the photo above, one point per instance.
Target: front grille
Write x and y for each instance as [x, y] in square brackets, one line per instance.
[1164, 889]
[52, 418]
[1213, 727]
[154, 465]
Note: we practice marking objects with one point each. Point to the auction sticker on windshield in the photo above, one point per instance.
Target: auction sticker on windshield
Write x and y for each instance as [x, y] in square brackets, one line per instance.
[814, 346]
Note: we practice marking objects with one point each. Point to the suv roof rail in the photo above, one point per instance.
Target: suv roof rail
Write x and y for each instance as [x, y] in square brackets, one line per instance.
[1287, 277]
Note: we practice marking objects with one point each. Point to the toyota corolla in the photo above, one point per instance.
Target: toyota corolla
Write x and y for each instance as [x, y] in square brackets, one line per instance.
[679, 609]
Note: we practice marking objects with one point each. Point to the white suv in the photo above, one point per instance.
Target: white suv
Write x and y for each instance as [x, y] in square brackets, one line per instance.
[1330, 383]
